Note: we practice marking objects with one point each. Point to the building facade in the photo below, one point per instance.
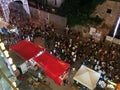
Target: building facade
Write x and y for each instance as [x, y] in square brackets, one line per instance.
[55, 3]
[6, 75]
[109, 11]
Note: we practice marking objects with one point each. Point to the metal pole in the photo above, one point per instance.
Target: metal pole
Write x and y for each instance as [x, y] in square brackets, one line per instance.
[8, 81]
[2, 86]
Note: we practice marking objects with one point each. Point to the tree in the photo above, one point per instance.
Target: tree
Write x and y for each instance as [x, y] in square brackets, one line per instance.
[78, 11]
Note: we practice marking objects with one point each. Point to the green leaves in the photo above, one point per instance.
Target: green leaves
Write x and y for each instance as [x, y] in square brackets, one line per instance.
[78, 11]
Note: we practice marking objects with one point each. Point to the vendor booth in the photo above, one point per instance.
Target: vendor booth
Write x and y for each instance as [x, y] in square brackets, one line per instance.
[87, 77]
[54, 68]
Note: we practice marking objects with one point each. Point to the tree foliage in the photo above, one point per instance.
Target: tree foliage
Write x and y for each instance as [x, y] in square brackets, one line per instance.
[78, 11]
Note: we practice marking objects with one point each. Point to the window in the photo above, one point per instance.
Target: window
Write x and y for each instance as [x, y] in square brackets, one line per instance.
[109, 11]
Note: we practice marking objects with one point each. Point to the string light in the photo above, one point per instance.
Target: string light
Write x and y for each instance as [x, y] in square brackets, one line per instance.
[14, 83]
[6, 53]
[2, 46]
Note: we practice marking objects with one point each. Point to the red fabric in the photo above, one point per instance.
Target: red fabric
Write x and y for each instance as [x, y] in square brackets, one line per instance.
[53, 67]
[26, 49]
[50, 62]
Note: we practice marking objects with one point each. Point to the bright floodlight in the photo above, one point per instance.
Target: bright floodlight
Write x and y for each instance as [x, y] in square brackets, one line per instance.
[14, 83]
[14, 67]
[115, 31]
[2, 46]
[6, 53]
[10, 60]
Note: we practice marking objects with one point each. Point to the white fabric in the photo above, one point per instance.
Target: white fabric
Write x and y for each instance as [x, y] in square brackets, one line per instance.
[87, 77]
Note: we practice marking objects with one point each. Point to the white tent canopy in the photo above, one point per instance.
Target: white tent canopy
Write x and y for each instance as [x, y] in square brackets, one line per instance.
[87, 77]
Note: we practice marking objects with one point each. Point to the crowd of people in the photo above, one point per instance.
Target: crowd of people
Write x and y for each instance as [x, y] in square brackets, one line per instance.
[71, 47]
[93, 54]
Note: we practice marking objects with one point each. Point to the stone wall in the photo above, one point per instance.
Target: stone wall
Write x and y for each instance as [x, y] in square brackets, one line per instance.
[46, 17]
[113, 40]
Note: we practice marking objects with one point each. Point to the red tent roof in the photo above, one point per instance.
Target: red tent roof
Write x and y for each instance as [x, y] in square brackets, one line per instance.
[52, 66]
[26, 49]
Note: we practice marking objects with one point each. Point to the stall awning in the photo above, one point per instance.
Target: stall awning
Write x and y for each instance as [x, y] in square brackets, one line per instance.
[26, 49]
[53, 67]
[87, 77]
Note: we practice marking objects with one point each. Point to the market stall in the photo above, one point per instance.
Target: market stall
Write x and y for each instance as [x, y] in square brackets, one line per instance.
[54, 68]
[87, 77]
